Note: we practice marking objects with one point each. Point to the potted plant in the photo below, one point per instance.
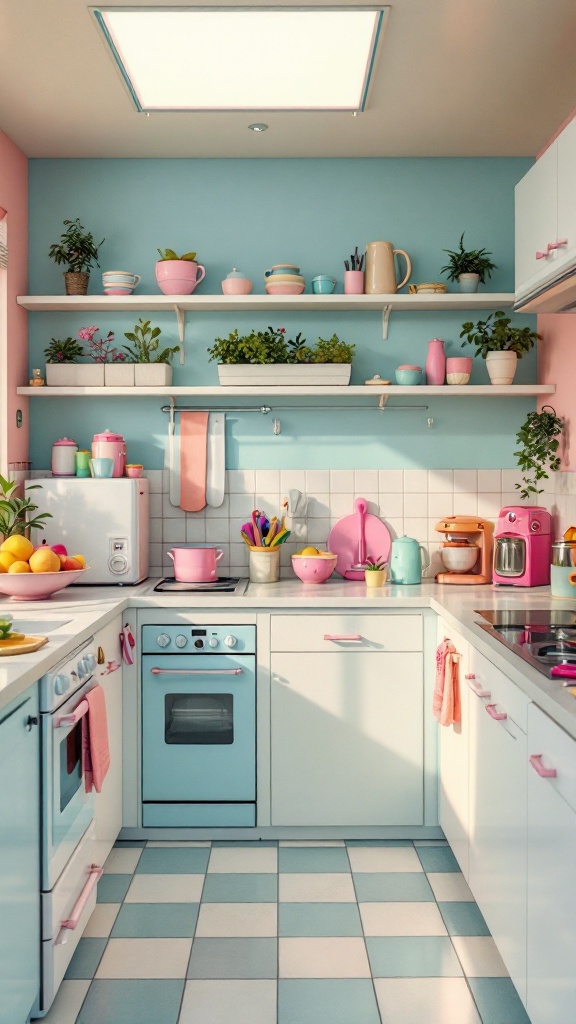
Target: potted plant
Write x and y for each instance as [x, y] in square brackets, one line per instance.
[268, 358]
[115, 370]
[375, 572]
[538, 437]
[499, 344]
[15, 512]
[78, 251]
[178, 275]
[469, 268]
[61, 362]
[152, 368]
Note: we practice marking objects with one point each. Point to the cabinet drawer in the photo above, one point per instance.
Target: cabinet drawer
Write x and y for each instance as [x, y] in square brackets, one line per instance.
[557, 750]
[498, 688]
[348, 633]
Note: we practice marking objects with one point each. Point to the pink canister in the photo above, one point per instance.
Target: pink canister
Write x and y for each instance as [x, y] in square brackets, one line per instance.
[195, 565]
[110, 446]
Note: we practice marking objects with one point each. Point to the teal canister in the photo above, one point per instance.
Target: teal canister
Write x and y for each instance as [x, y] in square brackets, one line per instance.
[407, 560]
[563, 568]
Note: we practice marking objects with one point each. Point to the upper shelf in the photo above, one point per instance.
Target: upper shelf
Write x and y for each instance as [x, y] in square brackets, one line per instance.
[280, 391]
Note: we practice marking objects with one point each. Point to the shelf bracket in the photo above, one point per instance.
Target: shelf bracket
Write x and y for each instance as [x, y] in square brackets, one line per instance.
[386, 310]
[181, 318]
[382, 401]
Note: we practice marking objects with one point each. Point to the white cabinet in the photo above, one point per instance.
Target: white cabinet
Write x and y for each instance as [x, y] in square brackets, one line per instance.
[453, 810]
[545, 226]
[497, 868]
[347, 720]
[108, 672]
[551, 877]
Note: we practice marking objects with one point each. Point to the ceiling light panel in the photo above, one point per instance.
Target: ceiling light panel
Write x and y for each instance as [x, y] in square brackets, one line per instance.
[194, 59]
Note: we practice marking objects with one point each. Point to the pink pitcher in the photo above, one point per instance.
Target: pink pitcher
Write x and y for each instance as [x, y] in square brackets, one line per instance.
[195, 565]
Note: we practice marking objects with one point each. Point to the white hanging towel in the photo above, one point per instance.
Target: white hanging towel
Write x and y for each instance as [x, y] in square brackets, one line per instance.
[216, 466]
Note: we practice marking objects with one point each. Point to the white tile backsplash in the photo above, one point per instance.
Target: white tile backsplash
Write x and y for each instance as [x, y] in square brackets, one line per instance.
[391, 481]
[415, 481]
[365, 480]
[341, 481]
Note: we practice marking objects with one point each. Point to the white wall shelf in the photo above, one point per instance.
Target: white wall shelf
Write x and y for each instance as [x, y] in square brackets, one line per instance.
[347, 391]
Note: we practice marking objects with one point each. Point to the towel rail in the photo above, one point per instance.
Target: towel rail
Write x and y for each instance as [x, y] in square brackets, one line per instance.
[265, 409]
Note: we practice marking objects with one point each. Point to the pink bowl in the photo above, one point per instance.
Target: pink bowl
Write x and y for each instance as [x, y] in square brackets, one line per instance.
[237, 286]
[313, 568]
[36, 586]
[284, 289]
[134, 472]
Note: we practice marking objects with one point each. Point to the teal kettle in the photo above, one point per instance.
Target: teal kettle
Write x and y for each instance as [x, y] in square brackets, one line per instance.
[407, 559]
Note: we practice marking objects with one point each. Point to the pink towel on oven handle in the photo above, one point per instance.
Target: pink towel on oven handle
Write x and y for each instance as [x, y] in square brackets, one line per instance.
[95, 749]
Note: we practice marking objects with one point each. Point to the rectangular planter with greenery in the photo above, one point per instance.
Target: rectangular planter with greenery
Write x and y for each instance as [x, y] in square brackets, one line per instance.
[267, 359]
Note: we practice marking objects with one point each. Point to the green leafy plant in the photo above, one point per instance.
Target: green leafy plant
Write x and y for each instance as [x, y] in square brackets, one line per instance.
[146, 344]
[67, 351]
[473, 261]
[538, 437]
[375, 564]
[494, 334]
[332, 350]
[169, 254]
[76, 248]
[272, 347]
[15, 512]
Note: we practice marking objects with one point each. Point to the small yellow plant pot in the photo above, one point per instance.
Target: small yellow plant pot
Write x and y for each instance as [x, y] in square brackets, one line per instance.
[375, 577]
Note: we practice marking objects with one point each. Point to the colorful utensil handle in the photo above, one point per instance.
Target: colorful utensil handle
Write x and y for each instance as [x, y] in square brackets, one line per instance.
[361, 505]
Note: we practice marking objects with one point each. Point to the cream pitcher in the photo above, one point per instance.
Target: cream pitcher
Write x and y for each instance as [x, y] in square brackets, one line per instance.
[380, 275]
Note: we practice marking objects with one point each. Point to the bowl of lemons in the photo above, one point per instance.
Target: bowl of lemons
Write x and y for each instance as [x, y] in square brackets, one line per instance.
[29, 573]
[312, 565]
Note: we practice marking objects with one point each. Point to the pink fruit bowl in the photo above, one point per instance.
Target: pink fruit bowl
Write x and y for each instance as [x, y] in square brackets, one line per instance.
[36, 586]
[283, 288]
[314, 568]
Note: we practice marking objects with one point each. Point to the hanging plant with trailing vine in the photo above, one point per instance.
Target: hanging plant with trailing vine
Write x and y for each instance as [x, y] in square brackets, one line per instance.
[538, 437]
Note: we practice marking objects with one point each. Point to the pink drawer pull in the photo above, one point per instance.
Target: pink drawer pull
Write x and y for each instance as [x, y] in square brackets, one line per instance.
[498, 716]
[542, 255]
[557, 245]
[196, 671]
[72, 922]
[75, 717]
[544, 773]
[475, 688]
[563, 671]
[346, 637]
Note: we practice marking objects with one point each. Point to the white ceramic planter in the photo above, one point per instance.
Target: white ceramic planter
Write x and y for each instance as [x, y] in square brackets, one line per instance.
[469, 282]
[61, 375]
[119, 375]
[287, 374]
[152, 375]
[90, 375]
[501, 367]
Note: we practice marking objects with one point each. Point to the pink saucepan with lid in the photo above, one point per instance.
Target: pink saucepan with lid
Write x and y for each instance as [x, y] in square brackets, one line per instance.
[195, 565]
[109, 445]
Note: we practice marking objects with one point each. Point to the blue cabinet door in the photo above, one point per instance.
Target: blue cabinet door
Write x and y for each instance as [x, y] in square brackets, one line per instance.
[19, 858]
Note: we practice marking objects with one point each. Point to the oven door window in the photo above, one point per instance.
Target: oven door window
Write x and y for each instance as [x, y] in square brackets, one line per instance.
[199, 718]
[70, 762]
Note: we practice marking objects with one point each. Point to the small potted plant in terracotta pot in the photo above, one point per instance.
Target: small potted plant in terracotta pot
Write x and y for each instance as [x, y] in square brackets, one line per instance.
[62, 362]
[375, 572]
[470, 268]
[78, 251]
[152, 368]
[499, 344]
[178, 275]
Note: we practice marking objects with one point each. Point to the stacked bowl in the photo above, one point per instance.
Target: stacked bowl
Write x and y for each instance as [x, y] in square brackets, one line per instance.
[119, 282]
[284, 279]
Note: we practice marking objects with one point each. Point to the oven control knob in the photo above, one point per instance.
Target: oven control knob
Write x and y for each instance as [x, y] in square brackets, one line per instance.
[230, 641]
[90, 661]
[61, 684]
[199, 644]
[213, 642]
[181, 640]
[163, 640]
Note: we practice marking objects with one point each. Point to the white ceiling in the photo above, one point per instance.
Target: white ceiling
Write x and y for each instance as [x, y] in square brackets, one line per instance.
[454, 78]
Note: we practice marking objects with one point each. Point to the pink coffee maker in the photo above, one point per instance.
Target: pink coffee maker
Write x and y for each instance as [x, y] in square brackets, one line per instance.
[522, 546]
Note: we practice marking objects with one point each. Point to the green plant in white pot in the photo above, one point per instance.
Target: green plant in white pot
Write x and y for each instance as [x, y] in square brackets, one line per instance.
[152, 367]
[500, 344]
[469, 267]
[269, 357]
[62, 362]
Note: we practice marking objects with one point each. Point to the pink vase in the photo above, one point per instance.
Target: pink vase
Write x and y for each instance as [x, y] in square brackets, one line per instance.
[435, 362]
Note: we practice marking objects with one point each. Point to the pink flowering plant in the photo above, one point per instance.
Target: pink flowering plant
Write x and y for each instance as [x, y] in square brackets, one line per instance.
[101, 349]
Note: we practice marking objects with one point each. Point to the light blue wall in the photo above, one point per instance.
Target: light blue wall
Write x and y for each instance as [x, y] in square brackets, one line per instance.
[251, 214]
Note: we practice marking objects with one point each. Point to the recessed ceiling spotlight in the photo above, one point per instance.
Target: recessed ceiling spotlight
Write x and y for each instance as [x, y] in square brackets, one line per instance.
[258, 127]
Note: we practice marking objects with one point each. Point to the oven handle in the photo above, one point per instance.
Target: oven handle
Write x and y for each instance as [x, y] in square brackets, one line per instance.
[74, 718]
[196, 671]
[72, 922]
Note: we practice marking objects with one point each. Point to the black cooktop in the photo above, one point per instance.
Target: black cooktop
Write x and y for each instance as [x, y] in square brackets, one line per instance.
[223, 585]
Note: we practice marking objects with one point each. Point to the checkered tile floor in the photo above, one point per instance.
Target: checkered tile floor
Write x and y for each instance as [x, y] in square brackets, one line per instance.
[358, 932]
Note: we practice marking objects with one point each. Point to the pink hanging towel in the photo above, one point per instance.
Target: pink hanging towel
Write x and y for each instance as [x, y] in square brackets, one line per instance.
[193, 460]
[95, 750]
[446, 700]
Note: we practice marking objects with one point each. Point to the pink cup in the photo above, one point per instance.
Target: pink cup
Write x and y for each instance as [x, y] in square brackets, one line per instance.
[179, 277]
[195, 565]
[353, 282]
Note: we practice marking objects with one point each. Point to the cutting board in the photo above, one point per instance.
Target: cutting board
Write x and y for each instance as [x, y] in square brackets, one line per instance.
[216, 465]
[24, 646]
[357, 537]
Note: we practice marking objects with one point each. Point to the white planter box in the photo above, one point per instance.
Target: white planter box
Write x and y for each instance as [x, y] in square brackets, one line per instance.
[90, 375]
[119, 375]
[61, 375]
[152, 375]
[284, 374]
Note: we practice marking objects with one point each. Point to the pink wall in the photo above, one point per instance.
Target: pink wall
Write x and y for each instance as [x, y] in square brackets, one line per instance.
[556, 355]
[13, 319]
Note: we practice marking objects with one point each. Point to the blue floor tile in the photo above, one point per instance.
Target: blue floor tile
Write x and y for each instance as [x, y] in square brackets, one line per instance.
[113, 888]
[437, 858]
[156, 921]
[86, 958]
[392, 887]
[318, 919]
[234, 958]
[132, 1002]
[307, 859]
[327, 1001]
[414, 956]
[463, 919]
[498, 1001]
[126, 844]
[240, 888]
[174, 861]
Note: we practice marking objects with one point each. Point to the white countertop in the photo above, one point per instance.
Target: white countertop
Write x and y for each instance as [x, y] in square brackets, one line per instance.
[86, 609]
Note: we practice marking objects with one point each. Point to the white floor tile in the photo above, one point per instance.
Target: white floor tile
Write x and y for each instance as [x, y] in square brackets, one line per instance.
[122, 862]
[145, 958]
[165, 889]
[101, 921]
[165, 844]
[316, 888]
[323, 958]
[234, 920]
[450, 886]
[433, 1000]
[401, 919]
[312, 842]
[243, 859]
[384, 858]
[219, 1002]
[479, 956]
[66, 1006]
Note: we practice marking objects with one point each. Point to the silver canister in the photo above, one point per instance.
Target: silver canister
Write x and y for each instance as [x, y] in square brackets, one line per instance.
[509, 556]
[564, 553]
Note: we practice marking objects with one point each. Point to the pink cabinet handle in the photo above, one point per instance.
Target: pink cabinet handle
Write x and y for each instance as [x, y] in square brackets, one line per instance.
[563, 671]
[351, 637]
[196, 671]
[75, 717]
[71, 923]
[544, 773]
[542, 255]
[498, 716]
[557, 245]
[475, 688]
